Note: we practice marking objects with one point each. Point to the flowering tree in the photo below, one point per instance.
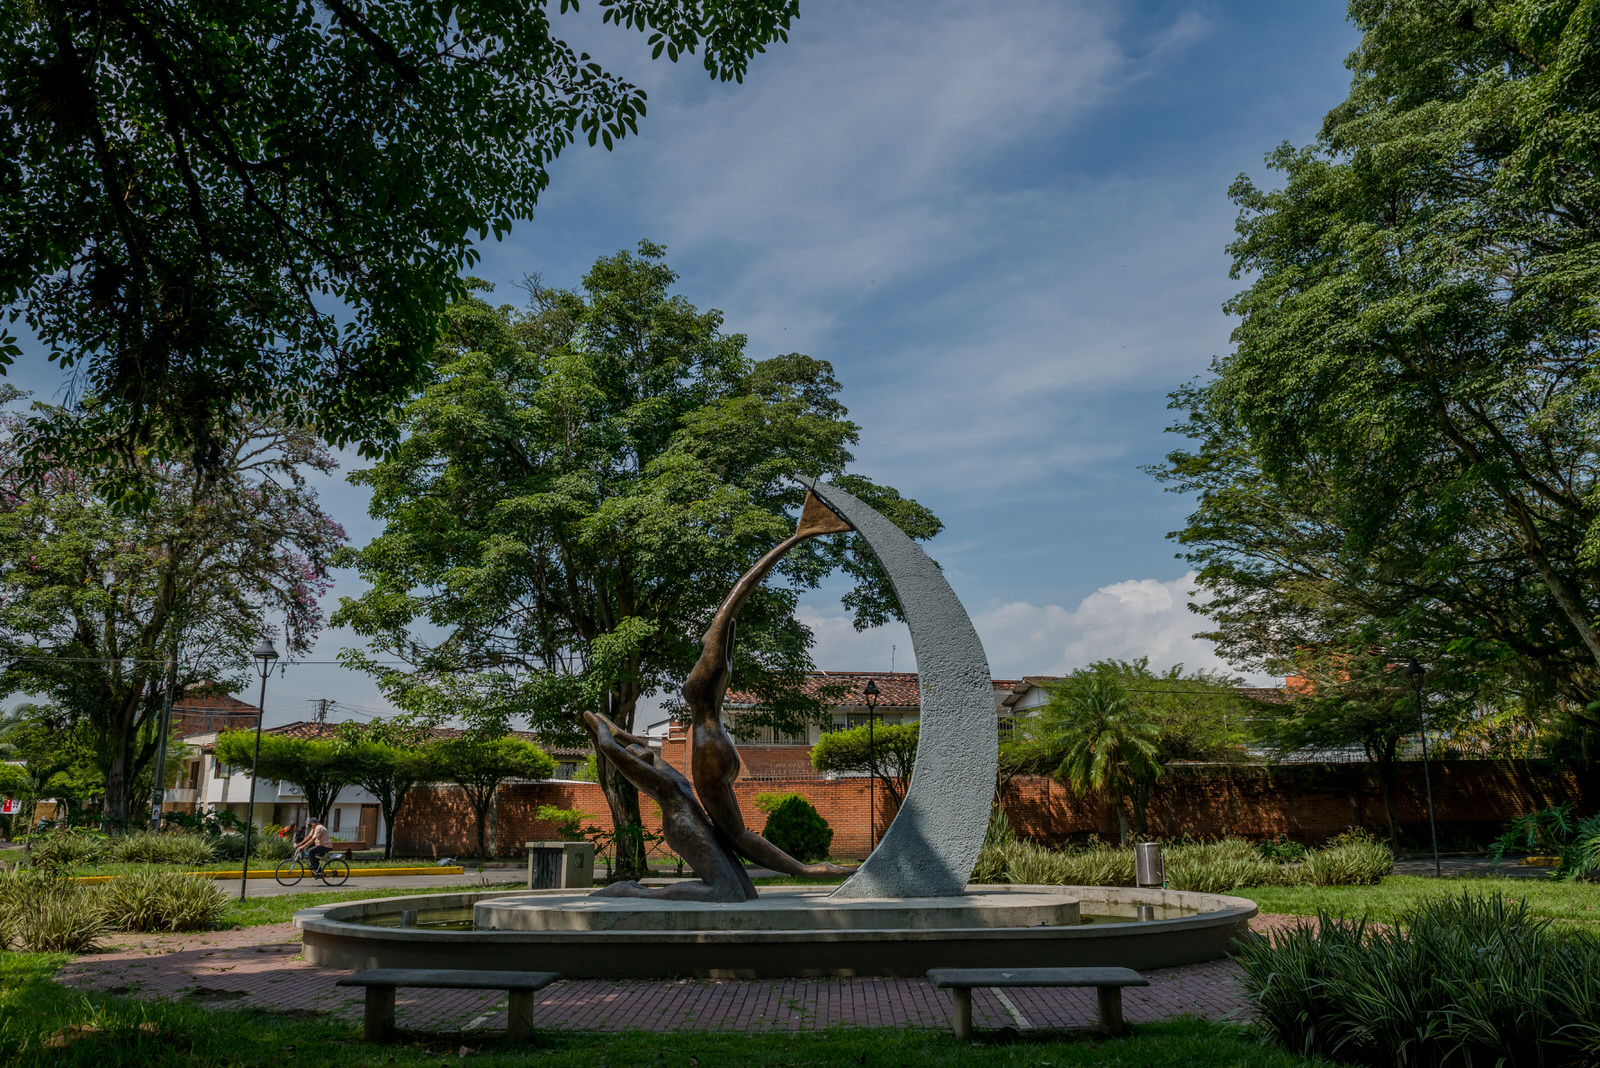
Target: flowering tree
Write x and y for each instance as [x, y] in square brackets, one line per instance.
[103, 604]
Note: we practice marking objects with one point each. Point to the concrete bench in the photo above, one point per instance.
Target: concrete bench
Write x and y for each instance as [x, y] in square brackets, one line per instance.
[378, 1024]
[1107, 981]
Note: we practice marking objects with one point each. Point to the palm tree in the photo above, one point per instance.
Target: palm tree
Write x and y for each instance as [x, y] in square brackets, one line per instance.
[1105, 746]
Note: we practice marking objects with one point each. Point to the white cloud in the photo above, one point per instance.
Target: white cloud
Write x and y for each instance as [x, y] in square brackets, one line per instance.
[1124, 620]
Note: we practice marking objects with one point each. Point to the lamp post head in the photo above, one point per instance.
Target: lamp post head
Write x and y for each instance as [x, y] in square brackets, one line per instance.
[870, 691]
[265, 654]
[1413, 669]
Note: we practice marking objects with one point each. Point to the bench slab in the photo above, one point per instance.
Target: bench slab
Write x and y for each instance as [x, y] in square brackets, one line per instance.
[450, 979]
[970, 977]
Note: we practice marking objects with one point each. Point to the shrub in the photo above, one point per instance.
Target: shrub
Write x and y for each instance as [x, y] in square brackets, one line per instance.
[271, 847]
[228, 846]
[162, 901]
[1281, 849]
[64, 848]
[568, 821]
[47, 912]
[1354, 864]
[144, 847]
[1203, 867]
[1460, 981]
[1218, 867]
[797, 829]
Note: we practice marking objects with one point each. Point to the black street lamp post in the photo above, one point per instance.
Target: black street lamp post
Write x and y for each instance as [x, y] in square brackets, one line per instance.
[1414, 672]
[264, 654]
[871, 693]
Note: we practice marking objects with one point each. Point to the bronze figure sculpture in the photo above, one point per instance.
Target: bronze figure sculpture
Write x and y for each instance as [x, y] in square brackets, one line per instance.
[711, 839]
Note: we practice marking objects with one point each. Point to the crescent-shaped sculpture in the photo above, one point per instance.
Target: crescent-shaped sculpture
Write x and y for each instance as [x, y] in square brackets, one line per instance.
[932, 846]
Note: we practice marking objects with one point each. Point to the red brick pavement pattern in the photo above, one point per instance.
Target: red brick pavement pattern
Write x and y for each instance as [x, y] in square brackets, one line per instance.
[261, 967]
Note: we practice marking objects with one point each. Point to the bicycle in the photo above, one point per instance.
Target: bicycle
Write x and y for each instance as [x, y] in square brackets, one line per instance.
[335, 870]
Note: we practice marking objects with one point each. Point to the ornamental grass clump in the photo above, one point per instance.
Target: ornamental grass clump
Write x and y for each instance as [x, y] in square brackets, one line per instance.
[271, 847]
[1218, 867]
[162, 901]
[45, 911]
[1465, 980]
[65, 848]
[145, 847]
[1350, 864]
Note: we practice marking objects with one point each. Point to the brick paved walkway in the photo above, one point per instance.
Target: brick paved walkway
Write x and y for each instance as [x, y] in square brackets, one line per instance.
[261, 967]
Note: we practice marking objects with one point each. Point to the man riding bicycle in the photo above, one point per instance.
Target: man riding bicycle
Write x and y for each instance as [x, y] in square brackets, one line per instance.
[317, 844]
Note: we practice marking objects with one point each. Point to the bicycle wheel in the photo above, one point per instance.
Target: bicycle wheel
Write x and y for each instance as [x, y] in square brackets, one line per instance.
[290, 872]
[335, 872]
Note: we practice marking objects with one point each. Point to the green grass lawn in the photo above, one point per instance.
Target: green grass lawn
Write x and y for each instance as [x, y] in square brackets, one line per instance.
[1572, 905]
[47, 1025]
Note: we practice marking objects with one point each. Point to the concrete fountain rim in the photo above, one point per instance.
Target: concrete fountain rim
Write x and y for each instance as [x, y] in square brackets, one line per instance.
[331, 940]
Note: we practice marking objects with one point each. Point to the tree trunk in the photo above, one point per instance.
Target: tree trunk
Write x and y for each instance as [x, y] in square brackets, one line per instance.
[622, 798]
[1384, 760]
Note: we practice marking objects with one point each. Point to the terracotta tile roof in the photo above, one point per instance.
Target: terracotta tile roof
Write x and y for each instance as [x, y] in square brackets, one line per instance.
[896, 689]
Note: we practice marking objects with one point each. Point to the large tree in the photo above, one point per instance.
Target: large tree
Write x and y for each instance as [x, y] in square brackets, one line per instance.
[578, 486]
[208, 206]
[1400, 450]
[320, 768]
[101, 605]
[480, 764]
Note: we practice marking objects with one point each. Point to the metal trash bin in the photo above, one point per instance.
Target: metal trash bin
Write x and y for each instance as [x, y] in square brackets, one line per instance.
[1149, 866]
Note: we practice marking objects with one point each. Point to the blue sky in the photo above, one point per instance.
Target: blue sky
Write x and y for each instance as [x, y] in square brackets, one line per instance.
[1005, 226]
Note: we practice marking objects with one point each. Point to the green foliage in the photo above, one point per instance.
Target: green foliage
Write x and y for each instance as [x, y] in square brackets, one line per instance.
[265, 230]
[890, 748]
[1465, 980]
[1281, 849]
[162, 901]
[320, 769]
[271, 847]
[569, 822]
[480, 764]
[1102, 740]
[144, 847]
[65, 847]
[388, 760]
[95, 596]
[1554, 831]
[1397, 455]
[47, 912]
[795, 826]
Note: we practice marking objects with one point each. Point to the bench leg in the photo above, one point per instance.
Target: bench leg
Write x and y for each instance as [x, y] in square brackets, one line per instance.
[1111, 1010]
[962, 998]
[519, 1015]
[378, 1023]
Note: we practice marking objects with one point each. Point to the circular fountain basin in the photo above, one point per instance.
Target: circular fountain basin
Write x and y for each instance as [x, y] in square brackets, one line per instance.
[797, 910]
[787, 932]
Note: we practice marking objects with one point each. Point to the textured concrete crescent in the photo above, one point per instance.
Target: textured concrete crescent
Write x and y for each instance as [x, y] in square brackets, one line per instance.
[932, 845]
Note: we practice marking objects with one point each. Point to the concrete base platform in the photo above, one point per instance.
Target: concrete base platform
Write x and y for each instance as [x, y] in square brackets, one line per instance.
[1189, 928]
[776, 910]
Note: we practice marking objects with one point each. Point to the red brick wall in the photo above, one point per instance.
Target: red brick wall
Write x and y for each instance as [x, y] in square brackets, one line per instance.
[1309, 802]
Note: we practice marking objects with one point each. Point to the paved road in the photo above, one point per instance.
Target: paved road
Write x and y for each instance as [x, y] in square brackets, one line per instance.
[1468, 867]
